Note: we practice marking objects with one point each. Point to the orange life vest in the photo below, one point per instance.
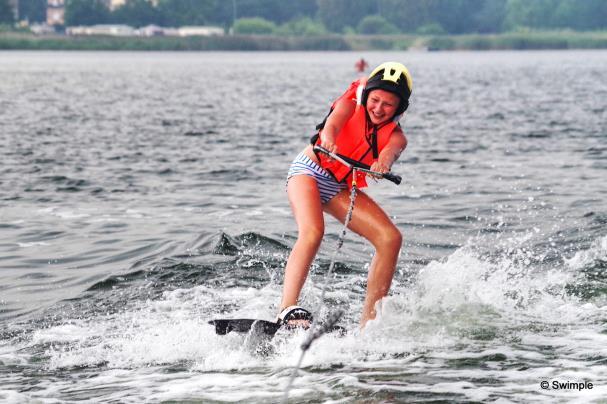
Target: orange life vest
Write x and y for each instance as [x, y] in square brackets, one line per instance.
[356, 139]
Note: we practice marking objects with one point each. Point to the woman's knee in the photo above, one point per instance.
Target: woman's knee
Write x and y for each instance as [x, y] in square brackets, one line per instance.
[389, 239]
[311, 235]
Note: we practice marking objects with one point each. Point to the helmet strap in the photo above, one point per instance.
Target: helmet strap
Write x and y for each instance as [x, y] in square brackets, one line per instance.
[374, 142]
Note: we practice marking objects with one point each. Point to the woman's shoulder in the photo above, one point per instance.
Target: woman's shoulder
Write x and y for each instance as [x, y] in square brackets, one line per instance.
[398, 135]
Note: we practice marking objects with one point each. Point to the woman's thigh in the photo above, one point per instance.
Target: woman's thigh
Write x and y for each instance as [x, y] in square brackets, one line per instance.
[368, 219]
[304, 199]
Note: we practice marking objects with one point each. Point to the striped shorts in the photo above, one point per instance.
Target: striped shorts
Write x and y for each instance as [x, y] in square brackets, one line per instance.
[327, 186]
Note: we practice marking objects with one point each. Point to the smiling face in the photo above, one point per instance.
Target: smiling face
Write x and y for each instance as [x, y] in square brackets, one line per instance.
[381, 106]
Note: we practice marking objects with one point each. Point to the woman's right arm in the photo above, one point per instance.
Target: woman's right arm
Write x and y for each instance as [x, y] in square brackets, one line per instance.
[344, 109]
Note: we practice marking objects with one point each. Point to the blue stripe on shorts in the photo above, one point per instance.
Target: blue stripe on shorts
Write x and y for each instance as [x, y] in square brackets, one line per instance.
[327, 186]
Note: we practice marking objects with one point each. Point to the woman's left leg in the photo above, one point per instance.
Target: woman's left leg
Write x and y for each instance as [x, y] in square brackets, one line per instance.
[370, 221]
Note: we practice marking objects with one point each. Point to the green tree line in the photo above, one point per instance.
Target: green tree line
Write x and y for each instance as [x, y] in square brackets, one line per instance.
[309, 17]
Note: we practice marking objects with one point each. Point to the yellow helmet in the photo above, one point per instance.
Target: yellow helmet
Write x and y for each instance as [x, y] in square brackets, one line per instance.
[393, 77]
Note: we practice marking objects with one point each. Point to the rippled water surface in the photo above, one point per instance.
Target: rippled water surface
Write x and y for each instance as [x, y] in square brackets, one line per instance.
[142, 194]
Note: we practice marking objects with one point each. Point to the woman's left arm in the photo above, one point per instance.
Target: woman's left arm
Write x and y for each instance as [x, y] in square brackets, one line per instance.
[396, 144]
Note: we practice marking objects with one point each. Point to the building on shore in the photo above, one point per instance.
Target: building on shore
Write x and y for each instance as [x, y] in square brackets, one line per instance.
[148, 31]
[155, 30]
[42, 29]
[200, 31]
[55, 12]
[102, 30]
[114, 4]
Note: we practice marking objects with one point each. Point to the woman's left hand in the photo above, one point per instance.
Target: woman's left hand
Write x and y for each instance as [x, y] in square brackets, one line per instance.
[380, 167]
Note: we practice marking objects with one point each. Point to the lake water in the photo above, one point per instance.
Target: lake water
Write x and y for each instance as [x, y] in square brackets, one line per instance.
[143, 194]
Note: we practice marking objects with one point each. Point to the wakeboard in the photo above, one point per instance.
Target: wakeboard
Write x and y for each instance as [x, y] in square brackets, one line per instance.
[264, 327]
[244, 325]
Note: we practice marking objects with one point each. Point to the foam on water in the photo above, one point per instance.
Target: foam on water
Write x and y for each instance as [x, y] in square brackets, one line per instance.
[170, 330]
[9, 396]
[465, 308]
[596, 252]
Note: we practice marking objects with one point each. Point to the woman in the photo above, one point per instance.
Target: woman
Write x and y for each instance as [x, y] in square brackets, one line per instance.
[362, 125]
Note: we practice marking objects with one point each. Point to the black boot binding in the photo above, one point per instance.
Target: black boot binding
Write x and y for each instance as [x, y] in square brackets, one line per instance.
[295, 317]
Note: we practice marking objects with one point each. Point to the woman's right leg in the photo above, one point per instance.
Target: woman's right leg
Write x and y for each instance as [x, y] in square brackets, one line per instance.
[304, 198]
[370, 221]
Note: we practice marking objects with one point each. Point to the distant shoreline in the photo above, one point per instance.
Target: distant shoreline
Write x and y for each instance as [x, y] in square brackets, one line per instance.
[505, 41]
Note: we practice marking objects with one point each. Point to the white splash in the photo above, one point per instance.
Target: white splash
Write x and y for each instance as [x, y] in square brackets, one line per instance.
[596, 252]
[464, 308]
